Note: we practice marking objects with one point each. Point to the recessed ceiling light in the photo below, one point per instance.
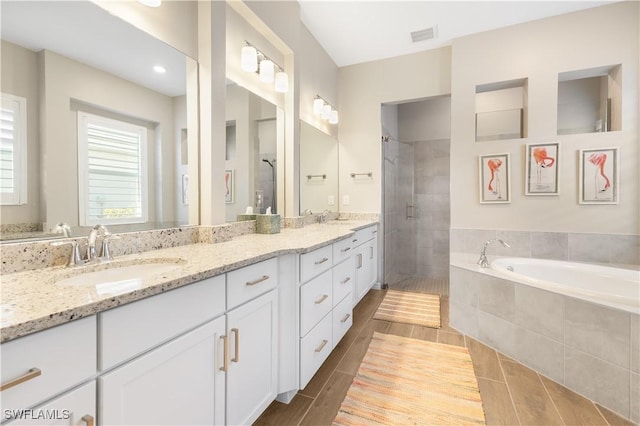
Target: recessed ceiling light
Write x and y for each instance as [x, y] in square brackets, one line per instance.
[159, 69]
[150, 3]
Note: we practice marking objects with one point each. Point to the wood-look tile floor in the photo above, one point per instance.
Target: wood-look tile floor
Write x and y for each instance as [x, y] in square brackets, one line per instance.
[512, 394]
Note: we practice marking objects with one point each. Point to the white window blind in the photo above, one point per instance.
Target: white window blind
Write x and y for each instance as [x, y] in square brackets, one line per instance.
[112, 159]
[13, 150]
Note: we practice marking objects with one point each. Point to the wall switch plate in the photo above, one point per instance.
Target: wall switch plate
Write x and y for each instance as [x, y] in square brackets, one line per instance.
[345, 200]
[331, 200]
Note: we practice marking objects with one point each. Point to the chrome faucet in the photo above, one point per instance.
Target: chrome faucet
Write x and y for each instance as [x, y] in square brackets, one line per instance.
[324, 216]
[483, 261]
[91, 242]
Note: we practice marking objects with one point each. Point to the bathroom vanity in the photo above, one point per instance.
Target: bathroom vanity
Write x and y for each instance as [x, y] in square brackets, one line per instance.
[215, 341]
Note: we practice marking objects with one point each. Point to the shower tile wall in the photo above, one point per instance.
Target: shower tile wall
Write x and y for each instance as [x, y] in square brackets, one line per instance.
[432, 215]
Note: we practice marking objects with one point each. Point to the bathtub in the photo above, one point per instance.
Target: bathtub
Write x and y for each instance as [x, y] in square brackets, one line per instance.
[614, 287]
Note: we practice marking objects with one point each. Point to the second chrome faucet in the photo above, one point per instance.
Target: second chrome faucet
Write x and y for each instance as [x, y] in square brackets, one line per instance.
[483, 261]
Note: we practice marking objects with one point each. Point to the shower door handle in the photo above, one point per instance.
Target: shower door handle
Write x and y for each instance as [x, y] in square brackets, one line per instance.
[410, 211]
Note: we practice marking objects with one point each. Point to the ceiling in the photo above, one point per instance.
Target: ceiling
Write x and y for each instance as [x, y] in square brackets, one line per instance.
[352, 32]
[89, 34]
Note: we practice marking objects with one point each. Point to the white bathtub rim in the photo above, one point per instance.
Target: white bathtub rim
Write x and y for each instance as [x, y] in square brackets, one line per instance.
[468, 261]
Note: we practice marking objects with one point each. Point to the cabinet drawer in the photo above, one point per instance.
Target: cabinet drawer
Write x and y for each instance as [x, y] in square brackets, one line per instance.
[342, 319]
[315, 347]
[343, 279]
[65, 356]
[131, 329]
[315, 262]
[342, 250]
[364, 234]
[316, 301]
[251, 281]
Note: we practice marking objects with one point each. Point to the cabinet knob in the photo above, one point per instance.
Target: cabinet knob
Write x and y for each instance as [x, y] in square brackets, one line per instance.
[31, 374]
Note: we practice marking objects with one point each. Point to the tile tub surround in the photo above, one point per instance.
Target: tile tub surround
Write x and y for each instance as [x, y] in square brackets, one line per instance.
[591, 349]
[574, 247]
[30, 301]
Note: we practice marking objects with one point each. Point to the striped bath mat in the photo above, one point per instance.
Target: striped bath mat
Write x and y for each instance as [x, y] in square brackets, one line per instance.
[404, 381]
[410, 308]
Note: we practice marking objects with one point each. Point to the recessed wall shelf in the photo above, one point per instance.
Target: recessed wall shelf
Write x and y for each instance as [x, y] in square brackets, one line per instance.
[501, 110]
[589, 101]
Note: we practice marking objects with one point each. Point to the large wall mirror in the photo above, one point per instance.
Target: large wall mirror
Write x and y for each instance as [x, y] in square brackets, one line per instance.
[318, 170]
[97, 135]
[251, 178]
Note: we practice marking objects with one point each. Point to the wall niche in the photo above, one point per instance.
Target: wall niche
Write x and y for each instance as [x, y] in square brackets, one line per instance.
[589, 100]
[501, 110]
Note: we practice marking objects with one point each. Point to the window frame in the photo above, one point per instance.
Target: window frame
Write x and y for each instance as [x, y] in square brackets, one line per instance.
[84, 119]
[19, 108]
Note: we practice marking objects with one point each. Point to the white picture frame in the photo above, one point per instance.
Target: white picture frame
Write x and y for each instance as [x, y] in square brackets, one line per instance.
[494, 178]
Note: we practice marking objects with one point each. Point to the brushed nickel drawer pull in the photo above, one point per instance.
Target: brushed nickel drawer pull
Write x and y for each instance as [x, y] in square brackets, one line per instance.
[344, 250]
[225, 356]
[258, 281]
[359, 261]
[324, 259]
[31, 374]
[237, 345]
[322, 299]
[346, 280]
[346, 317]
[88, 419]
[322, 345]
[355, 240]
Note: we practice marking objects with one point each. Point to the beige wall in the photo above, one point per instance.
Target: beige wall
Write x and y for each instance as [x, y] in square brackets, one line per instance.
[363, 88]
[20, 78]
[538, 51]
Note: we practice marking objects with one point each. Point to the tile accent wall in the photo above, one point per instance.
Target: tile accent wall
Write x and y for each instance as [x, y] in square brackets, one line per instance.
[591, 349]
[574, 247]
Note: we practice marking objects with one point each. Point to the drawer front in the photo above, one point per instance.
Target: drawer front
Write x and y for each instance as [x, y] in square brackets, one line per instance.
[344, 275]
[315, 347]
[64, 355]
[342, 250]
[251, 281]
[342, 319]
[137, 327]
[365, 234]
[316, 301]
[315, 262]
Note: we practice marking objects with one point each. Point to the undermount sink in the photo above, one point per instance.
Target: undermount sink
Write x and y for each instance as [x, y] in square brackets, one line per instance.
[116, 277]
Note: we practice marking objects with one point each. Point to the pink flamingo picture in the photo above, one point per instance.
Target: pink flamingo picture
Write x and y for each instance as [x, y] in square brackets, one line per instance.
[599, 160]
[494, 182]
[543, 161]
[226, 183]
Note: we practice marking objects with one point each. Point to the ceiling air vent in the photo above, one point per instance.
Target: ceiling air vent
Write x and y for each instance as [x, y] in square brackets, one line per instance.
[422, 35]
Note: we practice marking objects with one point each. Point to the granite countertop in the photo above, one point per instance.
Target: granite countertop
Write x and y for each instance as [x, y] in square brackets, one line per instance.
[31, 301]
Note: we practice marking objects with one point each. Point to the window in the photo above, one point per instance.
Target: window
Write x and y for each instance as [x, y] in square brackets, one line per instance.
[112, 171]
[13, 150]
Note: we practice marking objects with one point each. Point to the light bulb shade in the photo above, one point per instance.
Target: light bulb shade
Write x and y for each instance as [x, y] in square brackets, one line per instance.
[151, 3]
[267, 71]
[326, 112]
[333, 118]
[282, 82]
[318, 105]
[249, 59]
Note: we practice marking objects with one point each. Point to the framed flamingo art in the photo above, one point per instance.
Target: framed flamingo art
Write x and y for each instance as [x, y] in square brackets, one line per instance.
[541, 168]
[599, 175]
[495, 183]
[229, 195]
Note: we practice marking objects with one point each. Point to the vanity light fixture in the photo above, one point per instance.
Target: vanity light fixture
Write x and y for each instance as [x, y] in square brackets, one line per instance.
[151, 3]
[253, 60]
[159, 69]
[325, 110]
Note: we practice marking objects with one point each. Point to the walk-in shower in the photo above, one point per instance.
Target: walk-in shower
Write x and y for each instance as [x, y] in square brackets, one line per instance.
[415, 164]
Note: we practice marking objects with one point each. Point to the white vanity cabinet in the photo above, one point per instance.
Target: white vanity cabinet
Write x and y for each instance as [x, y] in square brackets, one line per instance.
[327, 277]
[178, 383]
[366, 261]
[37, 367]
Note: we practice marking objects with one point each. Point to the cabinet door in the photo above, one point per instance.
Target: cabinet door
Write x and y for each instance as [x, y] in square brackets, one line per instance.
[180, 382]
[372, 262]
[74, 408]
[363, 275]
[252, 373]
